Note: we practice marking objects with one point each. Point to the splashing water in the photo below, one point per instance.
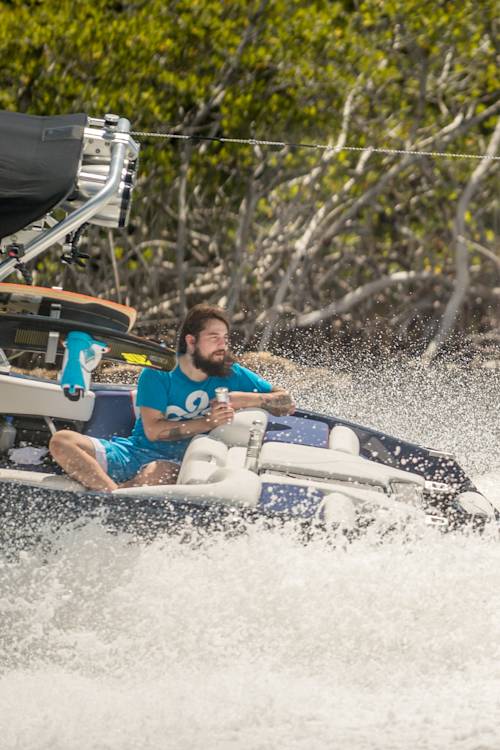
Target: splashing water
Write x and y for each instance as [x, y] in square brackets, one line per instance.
[259, 641]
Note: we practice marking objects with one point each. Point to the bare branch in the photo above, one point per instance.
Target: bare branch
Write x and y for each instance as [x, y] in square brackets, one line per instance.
[303, 241]
[360, 294]
[481, 249]
[461, 254]
[247, 208]
[180, 245]
[457, 127]
[317, 222]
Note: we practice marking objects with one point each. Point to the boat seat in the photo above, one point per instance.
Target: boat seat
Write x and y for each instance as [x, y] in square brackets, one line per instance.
[238, 431]
[224, 486]
[202, 457]
[327, 463]
[44, 480]
[114, 414]
[104, 413]
[290, 429]
[236, 457]
[39, 398]
[344, 439]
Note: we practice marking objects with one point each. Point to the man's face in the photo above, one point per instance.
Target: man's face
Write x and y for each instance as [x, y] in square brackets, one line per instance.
[210, 349]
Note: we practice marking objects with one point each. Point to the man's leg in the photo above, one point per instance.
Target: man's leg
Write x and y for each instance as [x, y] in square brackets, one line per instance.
[157, 472]
[76, 455]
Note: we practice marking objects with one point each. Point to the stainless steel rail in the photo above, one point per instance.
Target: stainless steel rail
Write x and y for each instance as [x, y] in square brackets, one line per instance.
[121, 145]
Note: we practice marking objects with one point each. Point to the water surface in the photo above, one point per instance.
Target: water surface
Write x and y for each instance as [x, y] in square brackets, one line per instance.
[259, 641]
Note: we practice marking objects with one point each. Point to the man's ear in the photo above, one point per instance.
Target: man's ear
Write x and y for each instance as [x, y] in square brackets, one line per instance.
[190, 342]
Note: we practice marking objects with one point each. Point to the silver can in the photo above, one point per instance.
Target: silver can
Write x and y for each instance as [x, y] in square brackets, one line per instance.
[222, 395]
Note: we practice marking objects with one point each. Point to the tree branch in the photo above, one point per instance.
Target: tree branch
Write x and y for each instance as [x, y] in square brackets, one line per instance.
[303, 241]
[245, 215]
[461, 253]
[180, 245]
[360, 294]
[457, 127]
[481, 249]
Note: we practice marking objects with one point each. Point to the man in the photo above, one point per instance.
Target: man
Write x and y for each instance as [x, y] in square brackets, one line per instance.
[174, 406]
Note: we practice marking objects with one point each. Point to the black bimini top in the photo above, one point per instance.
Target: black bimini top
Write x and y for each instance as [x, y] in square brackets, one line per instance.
[39, 159]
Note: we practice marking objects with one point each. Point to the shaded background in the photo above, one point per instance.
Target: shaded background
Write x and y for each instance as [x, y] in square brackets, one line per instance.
[356, 249]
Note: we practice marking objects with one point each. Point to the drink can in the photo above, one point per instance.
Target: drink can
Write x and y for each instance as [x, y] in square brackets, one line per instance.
[222, 395]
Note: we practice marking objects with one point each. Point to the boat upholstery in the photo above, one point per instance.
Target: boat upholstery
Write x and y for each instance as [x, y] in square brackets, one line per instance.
[292, 499]
[298, 430]
[338, 509]
[42, 480]
[104, 413]
[238, 431]
[228, 486]
[302, 460]
[114, 414]
[344, 439]
[295, 475]
[292, 476]
[203, 456]
[281, 485]
[41, 398]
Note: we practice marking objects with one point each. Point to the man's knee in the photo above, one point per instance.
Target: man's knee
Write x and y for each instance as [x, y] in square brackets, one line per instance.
[66, 441]
[159, 472]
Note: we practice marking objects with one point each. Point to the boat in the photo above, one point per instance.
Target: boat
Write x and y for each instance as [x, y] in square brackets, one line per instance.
[321, 473]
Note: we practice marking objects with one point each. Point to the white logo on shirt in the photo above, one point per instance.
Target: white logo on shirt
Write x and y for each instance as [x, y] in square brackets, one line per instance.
[197, 403]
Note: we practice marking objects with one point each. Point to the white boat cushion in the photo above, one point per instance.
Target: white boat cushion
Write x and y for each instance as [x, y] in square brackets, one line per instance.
[338, 509]
[41, 479]
[41, 399]
[232, 487]
[344, 439]
[303, 460]
[226, 486]
[236, 457]
[196, 472]
[202, 457]
[238, 431]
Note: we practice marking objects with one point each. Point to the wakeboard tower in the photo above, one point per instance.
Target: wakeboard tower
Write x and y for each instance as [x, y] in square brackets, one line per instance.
[316, 470]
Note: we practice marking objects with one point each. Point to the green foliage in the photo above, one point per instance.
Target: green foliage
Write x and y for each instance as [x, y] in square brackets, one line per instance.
[279, 70]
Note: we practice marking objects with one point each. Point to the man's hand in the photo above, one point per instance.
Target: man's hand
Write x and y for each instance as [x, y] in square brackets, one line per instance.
[219, 414]
[278, 403]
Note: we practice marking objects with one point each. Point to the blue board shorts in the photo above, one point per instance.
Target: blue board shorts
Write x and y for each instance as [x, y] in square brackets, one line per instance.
[122, 459]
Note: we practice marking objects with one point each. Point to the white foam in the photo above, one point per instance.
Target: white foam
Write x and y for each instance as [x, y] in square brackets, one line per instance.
[260, 641]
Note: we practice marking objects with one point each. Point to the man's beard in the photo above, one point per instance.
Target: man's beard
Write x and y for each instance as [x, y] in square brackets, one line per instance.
[213, 368]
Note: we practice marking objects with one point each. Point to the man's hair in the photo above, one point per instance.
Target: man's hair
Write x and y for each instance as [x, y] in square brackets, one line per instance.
[196, 320]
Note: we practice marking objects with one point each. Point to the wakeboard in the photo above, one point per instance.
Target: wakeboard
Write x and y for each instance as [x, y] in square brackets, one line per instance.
[31, 333]
[57, 303]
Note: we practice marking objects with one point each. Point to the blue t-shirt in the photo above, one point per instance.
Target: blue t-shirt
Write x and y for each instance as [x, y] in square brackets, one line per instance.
[178, 398]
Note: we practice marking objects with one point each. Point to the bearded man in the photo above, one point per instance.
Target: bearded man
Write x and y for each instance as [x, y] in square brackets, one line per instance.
[174, 406]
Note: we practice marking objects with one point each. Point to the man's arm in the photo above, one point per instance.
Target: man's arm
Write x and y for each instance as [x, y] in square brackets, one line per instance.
[156, 427]
[278, 402]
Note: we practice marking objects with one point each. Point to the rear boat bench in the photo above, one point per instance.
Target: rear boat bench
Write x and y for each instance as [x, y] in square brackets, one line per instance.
[304, 466]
